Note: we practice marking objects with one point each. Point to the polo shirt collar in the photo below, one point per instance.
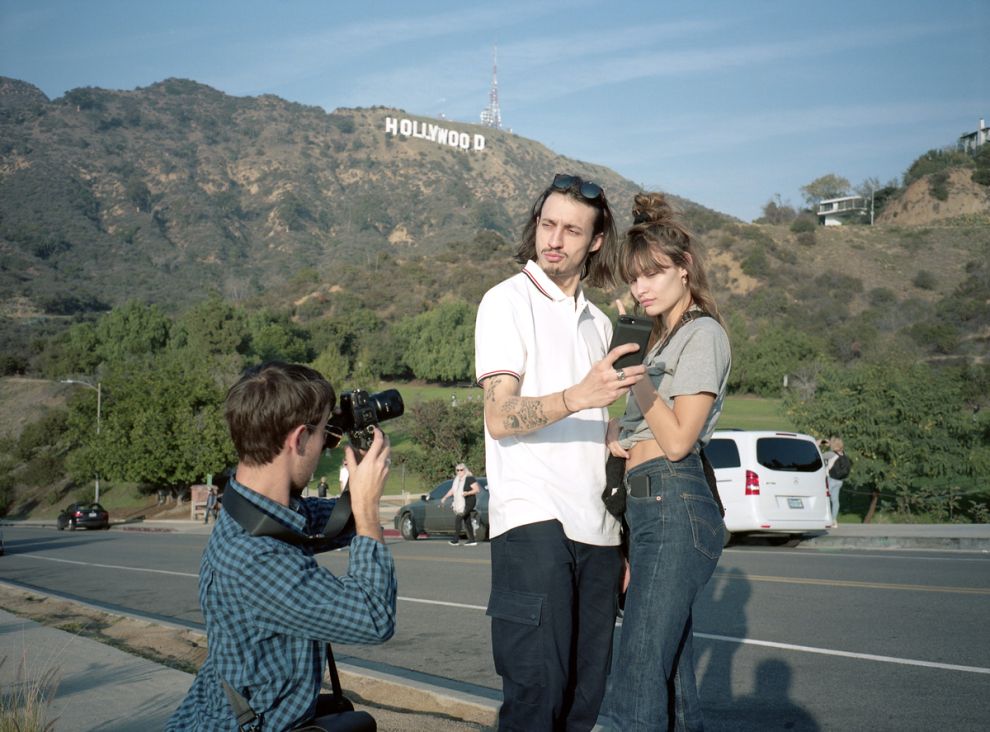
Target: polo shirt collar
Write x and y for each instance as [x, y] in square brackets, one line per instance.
[549, 288]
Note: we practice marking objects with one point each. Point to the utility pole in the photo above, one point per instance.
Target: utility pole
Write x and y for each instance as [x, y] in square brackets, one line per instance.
[99, 408]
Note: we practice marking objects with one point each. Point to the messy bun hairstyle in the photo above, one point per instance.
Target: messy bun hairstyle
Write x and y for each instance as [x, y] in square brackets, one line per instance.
[657, 239]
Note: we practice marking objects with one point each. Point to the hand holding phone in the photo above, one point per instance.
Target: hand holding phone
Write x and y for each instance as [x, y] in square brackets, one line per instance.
[631, 329]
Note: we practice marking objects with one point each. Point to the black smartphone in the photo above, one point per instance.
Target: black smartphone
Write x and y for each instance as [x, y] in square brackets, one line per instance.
[631, 329]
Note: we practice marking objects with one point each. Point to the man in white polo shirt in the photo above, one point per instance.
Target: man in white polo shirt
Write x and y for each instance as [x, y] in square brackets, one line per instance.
[540, 354]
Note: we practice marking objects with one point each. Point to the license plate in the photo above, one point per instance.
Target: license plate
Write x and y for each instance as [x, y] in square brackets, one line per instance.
[795, 503]
[92, 514]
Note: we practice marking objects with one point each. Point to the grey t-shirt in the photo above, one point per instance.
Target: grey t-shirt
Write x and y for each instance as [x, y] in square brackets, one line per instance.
[697, 359]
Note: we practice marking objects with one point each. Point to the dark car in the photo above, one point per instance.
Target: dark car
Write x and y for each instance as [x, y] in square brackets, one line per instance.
[84, 514]
[427, 515]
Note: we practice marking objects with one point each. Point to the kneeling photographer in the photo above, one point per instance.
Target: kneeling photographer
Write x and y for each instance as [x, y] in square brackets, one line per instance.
[270, 609]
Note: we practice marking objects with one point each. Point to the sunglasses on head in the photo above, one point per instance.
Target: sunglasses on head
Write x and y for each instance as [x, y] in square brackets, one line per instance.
[588, 190]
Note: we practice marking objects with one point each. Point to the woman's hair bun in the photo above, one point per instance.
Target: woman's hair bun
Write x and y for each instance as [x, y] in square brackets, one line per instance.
[652, 208]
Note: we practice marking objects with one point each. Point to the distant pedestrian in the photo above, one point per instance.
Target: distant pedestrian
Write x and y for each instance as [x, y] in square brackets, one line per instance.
[463, 497]
[211, 504]
[837, 465]
[321, 489]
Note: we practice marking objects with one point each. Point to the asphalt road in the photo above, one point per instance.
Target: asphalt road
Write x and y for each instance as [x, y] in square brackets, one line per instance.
[787, 638]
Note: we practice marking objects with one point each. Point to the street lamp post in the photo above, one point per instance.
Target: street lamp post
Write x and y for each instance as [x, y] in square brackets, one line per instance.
[99, 405]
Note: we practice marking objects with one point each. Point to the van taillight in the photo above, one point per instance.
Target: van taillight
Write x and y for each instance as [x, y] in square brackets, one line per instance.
[752, 483]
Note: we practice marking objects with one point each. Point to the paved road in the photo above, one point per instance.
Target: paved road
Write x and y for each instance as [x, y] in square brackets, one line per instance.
[824, 639]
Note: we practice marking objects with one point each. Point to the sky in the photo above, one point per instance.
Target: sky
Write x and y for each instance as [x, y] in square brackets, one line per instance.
[726, 103]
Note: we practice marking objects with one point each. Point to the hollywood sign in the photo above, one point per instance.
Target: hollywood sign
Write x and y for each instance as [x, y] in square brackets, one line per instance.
[434, 133]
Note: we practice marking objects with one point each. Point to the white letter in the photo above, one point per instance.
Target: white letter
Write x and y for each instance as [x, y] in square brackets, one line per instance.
[479, 142]
[465, 141]
[405, 127]
[442, 135]
[391, 125]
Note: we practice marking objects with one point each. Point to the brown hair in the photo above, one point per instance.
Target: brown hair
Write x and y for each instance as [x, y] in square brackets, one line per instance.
[658, 233]
[599, 266]
[271, 400]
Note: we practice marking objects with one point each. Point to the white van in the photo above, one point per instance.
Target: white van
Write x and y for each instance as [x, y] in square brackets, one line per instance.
[770, 482]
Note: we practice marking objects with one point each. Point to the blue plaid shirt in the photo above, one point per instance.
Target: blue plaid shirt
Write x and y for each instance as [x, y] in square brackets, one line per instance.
[270, 610]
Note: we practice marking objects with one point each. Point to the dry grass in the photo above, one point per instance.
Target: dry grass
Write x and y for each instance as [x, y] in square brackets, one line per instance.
[24, 703]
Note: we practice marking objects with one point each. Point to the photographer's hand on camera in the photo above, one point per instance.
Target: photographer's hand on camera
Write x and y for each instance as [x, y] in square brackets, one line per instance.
[368, 472]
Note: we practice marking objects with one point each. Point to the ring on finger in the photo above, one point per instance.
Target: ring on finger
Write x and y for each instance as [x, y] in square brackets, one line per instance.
[620, 374]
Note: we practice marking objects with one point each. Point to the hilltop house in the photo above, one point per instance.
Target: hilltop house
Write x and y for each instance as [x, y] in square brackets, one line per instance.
[971, 141]
[836, 211]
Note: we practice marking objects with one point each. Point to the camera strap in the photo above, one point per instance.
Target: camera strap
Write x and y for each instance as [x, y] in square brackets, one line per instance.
[256, 522]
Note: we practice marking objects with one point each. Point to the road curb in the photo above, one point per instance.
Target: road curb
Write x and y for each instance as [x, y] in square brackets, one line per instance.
[920, 543]
[394, 691]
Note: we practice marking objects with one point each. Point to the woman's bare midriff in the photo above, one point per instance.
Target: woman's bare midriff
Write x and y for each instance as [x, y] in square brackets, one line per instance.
[640, 452]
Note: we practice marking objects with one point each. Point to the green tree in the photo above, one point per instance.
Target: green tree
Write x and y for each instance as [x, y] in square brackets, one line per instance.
[133, 329]
[162, 424]
[760, 363]
[827, 186]
[212, 327]
[274, 337]
[441, 342]
[906, 429]
[446, 435]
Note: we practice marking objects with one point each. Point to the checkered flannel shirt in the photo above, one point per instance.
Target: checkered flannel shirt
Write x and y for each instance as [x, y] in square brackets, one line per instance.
[270, 610]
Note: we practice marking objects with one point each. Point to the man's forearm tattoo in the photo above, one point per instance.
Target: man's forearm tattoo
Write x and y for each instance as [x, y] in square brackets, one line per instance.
[519, 414]
[524, 414]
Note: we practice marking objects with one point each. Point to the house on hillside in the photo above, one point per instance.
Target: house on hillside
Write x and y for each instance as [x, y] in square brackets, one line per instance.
[838, 211]
[971, 141]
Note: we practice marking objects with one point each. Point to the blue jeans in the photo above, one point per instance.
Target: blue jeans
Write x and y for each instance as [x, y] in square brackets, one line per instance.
[675, 539]
[553, 607]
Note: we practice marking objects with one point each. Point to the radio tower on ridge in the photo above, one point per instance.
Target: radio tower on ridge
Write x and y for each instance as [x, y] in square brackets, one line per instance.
[490, 115]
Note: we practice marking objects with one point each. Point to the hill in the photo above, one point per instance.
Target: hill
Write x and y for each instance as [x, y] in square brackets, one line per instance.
[171, 192]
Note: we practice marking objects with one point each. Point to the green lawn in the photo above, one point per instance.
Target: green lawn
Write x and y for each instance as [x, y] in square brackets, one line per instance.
[748, 413]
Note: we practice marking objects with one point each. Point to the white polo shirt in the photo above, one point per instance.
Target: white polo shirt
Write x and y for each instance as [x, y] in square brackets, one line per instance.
[530, 330]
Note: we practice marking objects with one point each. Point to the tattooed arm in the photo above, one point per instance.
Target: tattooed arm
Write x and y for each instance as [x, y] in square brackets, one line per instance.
[508, 414]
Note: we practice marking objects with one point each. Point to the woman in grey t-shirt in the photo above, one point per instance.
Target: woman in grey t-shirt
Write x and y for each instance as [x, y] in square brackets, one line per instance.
[675, 526]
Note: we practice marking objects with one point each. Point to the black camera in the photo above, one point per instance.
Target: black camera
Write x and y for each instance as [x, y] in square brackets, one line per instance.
[360, 411]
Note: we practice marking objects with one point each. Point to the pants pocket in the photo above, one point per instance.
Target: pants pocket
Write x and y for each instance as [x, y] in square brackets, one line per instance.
[707, 527]
[517, 636]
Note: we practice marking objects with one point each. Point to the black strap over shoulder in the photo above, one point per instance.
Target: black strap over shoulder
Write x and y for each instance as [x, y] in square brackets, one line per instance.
[258, 523]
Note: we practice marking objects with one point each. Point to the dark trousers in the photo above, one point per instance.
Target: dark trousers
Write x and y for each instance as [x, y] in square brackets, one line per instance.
[463, 521]
[553, 607]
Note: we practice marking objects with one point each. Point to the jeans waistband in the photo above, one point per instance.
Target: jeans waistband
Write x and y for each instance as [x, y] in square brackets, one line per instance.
[665, 466]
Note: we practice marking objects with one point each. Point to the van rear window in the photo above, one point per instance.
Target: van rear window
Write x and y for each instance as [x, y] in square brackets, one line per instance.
[723, 454]
[788, 454]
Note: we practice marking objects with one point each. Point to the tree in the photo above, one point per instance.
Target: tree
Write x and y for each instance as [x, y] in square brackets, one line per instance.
[775, 211]
[760, 363]
[133, 329]
[906, 429]
[828, 186]
[447, 435]
[441, 342]
[162, 423]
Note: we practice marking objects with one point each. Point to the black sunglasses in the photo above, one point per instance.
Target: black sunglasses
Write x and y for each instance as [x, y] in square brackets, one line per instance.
[588, 190]
[332, 435]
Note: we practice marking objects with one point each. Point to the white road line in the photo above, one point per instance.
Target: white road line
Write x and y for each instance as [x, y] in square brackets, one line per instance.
[846, 654]
[836, 553]
[441, 602]
[110, 566]
[708, 636]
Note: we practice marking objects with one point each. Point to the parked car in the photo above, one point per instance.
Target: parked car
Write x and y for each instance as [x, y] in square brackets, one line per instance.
[85, 514]
[770, 482]
[427, 515]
